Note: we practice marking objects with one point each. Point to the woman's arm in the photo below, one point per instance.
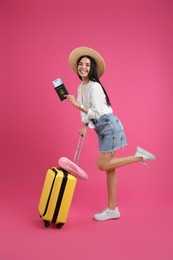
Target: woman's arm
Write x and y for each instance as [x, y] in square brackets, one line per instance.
[83, 129]
[76, 104]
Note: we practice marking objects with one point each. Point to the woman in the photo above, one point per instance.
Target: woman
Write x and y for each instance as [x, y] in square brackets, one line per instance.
[97, 113]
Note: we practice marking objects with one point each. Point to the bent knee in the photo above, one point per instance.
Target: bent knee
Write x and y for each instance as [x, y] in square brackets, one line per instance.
[104, 161]
[102, 165]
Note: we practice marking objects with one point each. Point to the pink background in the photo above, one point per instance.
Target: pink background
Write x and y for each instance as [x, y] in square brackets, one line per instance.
[136, 39]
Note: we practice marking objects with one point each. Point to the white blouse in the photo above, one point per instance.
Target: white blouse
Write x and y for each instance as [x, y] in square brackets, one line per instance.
[92, 96]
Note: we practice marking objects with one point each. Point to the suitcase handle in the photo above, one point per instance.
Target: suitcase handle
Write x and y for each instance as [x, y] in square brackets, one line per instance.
[78, 149]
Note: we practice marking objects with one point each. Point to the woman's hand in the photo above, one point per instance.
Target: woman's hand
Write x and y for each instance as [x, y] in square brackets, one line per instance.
[72, 99]
[82, 131]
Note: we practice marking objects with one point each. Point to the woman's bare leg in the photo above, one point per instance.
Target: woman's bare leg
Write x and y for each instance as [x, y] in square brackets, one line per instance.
[111, 188]
[108, 162]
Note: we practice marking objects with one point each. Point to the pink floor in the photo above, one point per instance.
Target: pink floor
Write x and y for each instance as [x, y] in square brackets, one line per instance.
[144, 231]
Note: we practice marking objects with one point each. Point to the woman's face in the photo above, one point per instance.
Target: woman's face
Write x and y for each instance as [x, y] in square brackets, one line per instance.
[84, 67]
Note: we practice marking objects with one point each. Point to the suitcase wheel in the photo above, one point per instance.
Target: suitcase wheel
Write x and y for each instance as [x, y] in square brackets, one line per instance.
[59, 225]
[46, 223]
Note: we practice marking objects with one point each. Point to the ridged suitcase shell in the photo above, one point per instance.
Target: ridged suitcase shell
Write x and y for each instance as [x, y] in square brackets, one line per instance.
[56, 196]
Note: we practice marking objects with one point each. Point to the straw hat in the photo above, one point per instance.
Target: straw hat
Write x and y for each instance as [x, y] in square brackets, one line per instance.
[81, 51]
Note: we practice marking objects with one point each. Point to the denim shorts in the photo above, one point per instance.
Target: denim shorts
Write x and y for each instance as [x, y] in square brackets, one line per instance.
[110, 133]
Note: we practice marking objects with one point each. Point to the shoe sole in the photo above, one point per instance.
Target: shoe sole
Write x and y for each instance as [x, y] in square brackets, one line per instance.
[106, 219]
[111, 218]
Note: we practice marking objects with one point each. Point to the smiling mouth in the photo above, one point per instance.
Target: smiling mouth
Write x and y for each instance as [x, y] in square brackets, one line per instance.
[83, 71]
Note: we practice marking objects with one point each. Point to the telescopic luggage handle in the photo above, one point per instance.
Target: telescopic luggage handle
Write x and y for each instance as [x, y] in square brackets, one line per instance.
[72, 167]
[79, 149]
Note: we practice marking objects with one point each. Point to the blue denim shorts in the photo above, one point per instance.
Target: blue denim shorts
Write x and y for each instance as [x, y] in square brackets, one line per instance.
[110, 133]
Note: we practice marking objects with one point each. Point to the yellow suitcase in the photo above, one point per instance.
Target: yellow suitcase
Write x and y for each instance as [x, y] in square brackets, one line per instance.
[56, 196]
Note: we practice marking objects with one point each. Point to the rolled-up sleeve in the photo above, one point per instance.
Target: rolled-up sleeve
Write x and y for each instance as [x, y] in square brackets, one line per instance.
[97, 101]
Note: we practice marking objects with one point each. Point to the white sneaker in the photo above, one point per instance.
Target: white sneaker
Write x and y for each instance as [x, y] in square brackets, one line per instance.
[107, 214]
[144, 154]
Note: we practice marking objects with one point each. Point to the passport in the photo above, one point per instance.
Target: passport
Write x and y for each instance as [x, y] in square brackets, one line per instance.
[60, 88]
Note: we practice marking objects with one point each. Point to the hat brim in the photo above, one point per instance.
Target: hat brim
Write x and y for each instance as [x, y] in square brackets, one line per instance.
[81, 51]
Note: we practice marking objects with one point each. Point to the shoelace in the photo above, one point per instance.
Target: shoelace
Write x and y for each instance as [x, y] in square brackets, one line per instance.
[108, 211]
[145, 164]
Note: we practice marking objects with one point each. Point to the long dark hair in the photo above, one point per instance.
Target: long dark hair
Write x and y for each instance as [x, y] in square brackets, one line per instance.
[93, 76]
